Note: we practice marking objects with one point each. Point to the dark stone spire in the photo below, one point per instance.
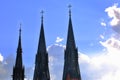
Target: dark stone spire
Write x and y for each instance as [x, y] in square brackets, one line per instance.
[70, 36]
[19, 51]
[18, 69]
[71, 66]
[41, 44]
[41, 71]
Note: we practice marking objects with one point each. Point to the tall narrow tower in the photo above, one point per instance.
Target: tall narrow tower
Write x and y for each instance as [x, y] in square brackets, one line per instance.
[18, 69]
[41, 71]
[71, 66]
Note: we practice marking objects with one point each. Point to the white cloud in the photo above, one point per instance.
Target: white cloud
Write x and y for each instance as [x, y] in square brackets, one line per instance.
[27, 79]
[56, 45]
[53, 77]
[114, 13]
[6, 67]
[83, 58]
[51, 60]
[1, 58]
[111, 44]
[56, 59]
[58, 39]
[102, 37]
[103, 24]
[102, 66]
[29, 72]
[111, 76]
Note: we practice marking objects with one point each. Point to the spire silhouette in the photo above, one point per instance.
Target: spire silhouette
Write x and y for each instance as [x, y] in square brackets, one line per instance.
[71, 67]
[41, 71]
[41, 44]
[18, 70]
[70, 36]
[19, 51]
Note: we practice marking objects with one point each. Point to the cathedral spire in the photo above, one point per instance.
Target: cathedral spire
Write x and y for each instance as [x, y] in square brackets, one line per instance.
[19, 51]
[18, 69]
[70, 36]
[41, 71]
[71, 67]
[42, 44]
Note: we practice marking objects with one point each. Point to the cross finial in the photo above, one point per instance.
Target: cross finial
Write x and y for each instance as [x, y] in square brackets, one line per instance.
[69, 6]
[20, 29]
[42, 12]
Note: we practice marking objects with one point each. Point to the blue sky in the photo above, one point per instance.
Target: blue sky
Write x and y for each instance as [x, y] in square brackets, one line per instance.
[96, 30]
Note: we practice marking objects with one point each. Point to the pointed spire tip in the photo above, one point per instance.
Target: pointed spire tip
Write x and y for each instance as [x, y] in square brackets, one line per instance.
[69, 6]
[42, 12]
[20, 29]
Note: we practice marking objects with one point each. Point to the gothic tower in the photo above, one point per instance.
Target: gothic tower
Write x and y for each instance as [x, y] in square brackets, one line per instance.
[71, 66]
[41, 71]
[18, 69]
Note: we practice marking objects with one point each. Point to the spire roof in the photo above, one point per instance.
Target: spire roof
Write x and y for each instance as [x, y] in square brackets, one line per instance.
[41, 71]
[71, 66]
[41, 44]
[19, 51]
[70, 36]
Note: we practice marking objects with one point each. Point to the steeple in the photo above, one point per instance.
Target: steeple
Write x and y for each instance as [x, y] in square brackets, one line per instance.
[41, 44]
[71, 67]
[70, 36]
[18, 69]
[41, 71]
[19, 51]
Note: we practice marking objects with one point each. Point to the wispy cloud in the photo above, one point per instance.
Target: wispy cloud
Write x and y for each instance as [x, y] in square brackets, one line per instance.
[29, 73]
[58, 39]
[103, 24]
[114, 13]
[102, 37]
